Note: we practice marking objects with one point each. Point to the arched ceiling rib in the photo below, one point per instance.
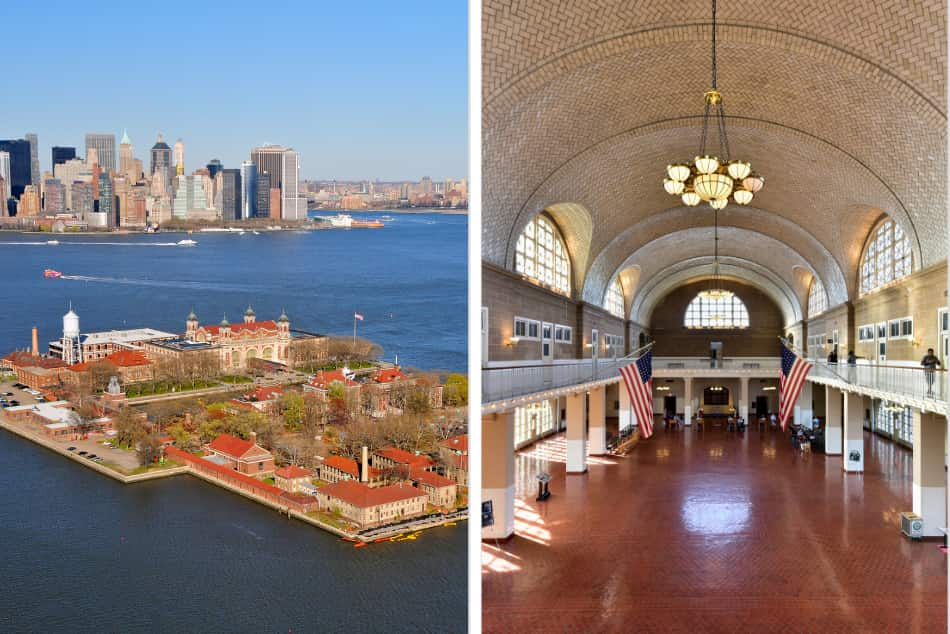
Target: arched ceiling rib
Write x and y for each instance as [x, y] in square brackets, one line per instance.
[622, 250]
[588, 101]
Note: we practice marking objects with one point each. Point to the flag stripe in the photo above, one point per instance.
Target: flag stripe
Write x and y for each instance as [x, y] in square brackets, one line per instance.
[791, 380]
[638, 380]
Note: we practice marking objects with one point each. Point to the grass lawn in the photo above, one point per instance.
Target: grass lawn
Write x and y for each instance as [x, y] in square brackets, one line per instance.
[334, 365]
[235, 378]
[169, 464]
[328, 518]
[165, 387]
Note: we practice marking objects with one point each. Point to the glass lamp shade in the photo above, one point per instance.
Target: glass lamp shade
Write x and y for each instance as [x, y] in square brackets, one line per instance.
[742, 196]
[706, 164]
[753, 182]
[718, 203]
[673, 187]
[678, 171]
[710, 186]
[691, 198]
[738, 169]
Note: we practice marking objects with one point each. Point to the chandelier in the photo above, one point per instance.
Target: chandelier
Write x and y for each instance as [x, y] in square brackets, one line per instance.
[710, 178]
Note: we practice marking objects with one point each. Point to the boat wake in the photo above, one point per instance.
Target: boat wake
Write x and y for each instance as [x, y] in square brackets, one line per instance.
[84, 243]
[157, 283]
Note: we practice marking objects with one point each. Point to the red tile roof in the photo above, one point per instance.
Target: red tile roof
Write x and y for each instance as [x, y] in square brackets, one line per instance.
[432, 478]
[363, 496]
[457, 443]
[293, 471]
[128, 358]
[25, 359]
[269, 324]
[323, 379]
[347, 465]
[232, 446]
[266, 393]
[389, 375]
[404, 457]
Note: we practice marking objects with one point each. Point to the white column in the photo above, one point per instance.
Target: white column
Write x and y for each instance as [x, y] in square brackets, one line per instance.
[688, 399]
[853, 433]
[627, 416]
[576, 433]
[744, 398]
[498, 472]
[598, 421]
[803, 407]
[832, 421]
[930, 479]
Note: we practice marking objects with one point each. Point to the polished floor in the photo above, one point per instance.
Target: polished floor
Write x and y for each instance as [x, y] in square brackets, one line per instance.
[714, 532]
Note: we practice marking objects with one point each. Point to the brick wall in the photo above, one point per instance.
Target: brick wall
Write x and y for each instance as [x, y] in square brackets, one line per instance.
[674, 339]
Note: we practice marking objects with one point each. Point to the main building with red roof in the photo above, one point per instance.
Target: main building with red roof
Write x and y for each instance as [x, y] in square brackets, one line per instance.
[368, 506]
[243, 456]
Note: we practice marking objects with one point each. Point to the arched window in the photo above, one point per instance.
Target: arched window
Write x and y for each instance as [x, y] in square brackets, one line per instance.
[613, 301]
[817, 298]
[887, 257]
[541, 255]
[716, 312]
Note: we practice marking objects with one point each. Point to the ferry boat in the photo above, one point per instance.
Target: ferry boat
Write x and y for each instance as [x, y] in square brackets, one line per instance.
[186, 243]
[341, 221]
[367, 224]
[51, 273]
[52, 242]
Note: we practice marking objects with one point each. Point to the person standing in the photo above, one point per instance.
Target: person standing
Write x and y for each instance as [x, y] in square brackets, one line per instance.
[930, 363]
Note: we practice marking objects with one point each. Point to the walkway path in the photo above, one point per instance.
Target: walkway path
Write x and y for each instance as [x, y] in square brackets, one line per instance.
[715, 532]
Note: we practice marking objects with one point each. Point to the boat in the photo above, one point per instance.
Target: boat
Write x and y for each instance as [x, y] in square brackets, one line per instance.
[396, 537]
[381, 540]
[341, 221]
[186, 243]
[349, 539]
[450, 524]
[367, 224]
[387, 218]
[52, 242]
[52, 273]
[360, 544]
[406, 538]
[257, 233]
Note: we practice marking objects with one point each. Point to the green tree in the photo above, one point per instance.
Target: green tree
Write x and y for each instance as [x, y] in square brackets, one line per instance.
[455, 392]
[292, 410]
[129, 427]
[149, 450]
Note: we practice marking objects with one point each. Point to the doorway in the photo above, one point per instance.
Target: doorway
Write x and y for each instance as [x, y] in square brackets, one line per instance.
[547, 342]
[761, 405]
[669, 406]
[715, 354]
[880, 341]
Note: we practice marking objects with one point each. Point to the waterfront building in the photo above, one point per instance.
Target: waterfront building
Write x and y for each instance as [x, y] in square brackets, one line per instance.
[54, 197]
[29, 204]
[75, 347]
[130, 366]
[440, 490]
[401, 461]
[68, 172]
[35, 371]
[34, 142]
[243, 456]
[268, 340]
[230, 194]
[262, 191]
[161, 163]
[82, 202]
[178, 157]
[295, 479]
[274, 203]
[453, 453]
[104, 145]
[61, 154]
[20, 165]
[283, 165]
[106, 199]
[58, 421]
[5, 192]
[191, 200]
[248, 190]
[127, 166]
[368, 506]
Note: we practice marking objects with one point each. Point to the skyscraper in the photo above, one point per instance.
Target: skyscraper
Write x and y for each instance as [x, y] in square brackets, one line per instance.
[34, 156]
[214, 166]
[54, 197]
[5, 193]
[29, 203]
[68, 172]
[263, 195]
[248, 189]
[190, 197]
[83, 201]
[230, 194]
[61, 154]
[292, 205]
[126, 159]
[107, 200]
[20, 171]
[178, 156]
[162, 160]
[104, 145]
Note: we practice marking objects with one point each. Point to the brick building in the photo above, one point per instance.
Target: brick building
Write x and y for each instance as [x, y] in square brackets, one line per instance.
[243, 456]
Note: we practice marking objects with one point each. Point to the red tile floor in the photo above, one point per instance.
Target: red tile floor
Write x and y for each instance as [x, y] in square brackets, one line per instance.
[714, 532]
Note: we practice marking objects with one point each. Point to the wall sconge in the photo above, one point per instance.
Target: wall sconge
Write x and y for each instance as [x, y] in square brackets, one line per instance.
[513, 341]
[588, 345]
[915, 342]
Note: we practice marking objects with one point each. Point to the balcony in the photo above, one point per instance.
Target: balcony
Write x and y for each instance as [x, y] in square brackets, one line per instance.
[905, 385]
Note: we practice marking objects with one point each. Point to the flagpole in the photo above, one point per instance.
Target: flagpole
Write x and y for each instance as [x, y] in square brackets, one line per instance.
[354, 332]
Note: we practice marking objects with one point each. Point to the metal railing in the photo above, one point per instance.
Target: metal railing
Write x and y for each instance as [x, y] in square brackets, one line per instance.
[909, 382]
[504, 383]
[708, 363]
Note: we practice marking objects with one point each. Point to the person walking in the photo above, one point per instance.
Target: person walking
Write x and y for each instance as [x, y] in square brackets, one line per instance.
[930, 363]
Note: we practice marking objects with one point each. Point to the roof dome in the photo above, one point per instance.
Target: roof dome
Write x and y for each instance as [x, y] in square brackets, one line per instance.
[249, 312]
[225, 322]
[192, 316]
[160, 144]
[283, 317]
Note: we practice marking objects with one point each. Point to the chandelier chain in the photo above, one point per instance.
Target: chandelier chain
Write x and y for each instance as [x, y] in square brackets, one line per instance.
[714, 44]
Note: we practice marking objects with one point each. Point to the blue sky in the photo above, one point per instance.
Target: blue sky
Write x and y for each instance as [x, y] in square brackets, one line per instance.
[361, 89]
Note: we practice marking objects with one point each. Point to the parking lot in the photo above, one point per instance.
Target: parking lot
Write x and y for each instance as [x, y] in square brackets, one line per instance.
[10, 393]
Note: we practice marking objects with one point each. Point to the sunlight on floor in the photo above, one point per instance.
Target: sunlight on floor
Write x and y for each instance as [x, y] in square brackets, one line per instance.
[494, 559]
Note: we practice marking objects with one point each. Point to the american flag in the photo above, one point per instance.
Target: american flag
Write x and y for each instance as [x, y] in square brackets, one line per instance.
[638, 377]
[357, 316]
[794, 371]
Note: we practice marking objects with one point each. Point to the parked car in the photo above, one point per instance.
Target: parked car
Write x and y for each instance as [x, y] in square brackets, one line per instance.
[19, 386]
[14, 403]
[70, 449]
[83, 453]
[92, 456]
[8, 393]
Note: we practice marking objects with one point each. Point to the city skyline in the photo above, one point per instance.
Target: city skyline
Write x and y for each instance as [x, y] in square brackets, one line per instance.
[359, 98]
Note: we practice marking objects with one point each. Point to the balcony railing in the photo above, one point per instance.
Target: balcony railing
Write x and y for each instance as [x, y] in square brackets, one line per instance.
[708, 363]
[504, 383]
[900, 381]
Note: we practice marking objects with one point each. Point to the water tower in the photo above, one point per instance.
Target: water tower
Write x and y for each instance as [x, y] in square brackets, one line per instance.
[72, 345]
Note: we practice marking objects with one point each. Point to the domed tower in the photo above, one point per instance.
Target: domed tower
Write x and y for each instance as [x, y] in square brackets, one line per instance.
[225, 327]
[191, 325]
[283, 324]
[72, 342]
[249, 316]
[283, 334]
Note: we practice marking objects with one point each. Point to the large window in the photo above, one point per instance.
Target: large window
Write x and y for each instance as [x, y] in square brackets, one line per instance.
[894, 421]
[533, 421]
[613, 302]
[726, 311]
[540, 255]
[817, 298]
[887, 257]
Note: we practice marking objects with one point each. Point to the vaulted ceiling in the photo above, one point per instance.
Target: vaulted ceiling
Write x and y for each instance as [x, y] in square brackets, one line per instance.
[840, 105]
